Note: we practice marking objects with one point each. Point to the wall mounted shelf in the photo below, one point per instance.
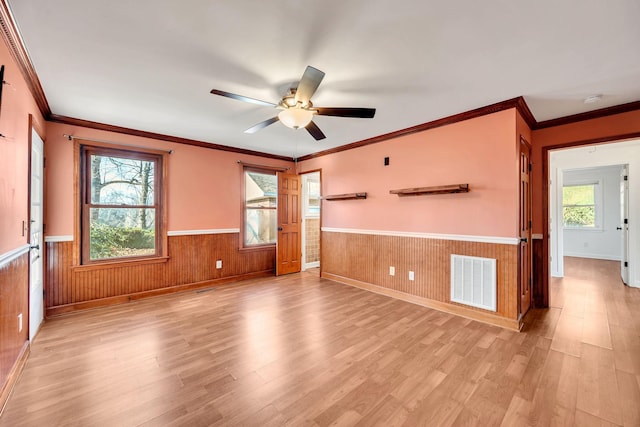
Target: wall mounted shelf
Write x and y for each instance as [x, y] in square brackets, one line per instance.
[423, 191]
[348, 196]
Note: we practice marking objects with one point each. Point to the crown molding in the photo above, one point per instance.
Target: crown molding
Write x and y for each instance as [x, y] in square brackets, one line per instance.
[144, 134]
[518, 103]
[589, 115]
[14, 42]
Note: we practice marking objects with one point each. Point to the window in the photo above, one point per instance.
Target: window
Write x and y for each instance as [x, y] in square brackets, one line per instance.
[313, 202]
[121, 211]
[260, 202]
[580, 206]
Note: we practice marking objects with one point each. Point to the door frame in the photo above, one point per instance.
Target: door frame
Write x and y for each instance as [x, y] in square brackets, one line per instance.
[624, 223]
[525, 272]
[304, 220]
[35, 127]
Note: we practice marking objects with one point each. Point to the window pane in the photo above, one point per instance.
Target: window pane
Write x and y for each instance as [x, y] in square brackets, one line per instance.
[579, 216]
[116, 181]
[261, 192]
[121, 232]
[261, 189]
[578, 195]
[260, 226]
[313, 202]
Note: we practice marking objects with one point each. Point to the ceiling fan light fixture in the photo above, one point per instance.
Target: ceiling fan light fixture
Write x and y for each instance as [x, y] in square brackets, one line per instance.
[295, 117]
[289, 100]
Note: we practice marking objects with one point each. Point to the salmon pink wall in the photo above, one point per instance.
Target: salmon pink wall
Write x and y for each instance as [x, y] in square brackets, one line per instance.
[17, 104]
[203, 185]
[480, 152]
[602, 128]
[522, 128]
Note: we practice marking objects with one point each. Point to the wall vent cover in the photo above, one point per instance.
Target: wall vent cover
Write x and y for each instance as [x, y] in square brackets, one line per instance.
[473, 281]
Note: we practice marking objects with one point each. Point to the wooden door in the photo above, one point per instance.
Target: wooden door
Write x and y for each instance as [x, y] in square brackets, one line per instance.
[525, 228]
[288, 247]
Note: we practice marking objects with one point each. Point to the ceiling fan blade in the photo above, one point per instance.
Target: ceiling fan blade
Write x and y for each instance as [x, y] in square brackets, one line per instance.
[362, 113]
[242, 98]
[262, 125]
[315, 131]
[308, 84]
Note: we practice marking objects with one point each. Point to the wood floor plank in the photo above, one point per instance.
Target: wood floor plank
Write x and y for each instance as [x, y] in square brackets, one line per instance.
[300, 350]
[568, 335]
[598, 392]
[595, 330]
[629, 385]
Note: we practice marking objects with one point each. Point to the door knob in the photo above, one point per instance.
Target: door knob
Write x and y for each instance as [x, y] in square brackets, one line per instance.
[34, 247]
[279, 228]
[618, 228]
[524, 239]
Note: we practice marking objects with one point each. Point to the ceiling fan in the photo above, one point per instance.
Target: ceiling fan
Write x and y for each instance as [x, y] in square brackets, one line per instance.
[297, 108]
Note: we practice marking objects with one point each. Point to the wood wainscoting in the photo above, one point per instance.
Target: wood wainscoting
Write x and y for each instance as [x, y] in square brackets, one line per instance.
[363, 260]
[191, 264]
[14, 300]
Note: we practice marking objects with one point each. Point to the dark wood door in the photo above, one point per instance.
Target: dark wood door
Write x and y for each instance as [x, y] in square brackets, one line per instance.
[289, 250]
[525, 228]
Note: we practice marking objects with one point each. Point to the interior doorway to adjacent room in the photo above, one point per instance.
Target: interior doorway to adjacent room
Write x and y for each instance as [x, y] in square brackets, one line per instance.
[311, 206]
[589, 213]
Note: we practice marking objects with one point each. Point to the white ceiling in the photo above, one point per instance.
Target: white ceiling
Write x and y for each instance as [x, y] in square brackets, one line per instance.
[150, 64]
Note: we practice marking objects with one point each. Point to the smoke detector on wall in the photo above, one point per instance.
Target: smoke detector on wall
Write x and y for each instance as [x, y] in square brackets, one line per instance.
[592, 98]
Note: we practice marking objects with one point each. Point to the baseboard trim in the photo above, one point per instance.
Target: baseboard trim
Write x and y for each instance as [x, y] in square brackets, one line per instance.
[14, 375]
[491, 319]
[122, 299]
[592, 256]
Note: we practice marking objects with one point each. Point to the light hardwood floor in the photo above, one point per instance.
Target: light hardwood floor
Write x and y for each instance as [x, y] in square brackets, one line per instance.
[300, 350]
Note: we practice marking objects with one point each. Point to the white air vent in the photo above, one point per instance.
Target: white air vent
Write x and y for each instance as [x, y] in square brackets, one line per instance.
[473, 281]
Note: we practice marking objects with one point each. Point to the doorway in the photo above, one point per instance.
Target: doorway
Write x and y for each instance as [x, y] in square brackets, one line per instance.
[587, 207]
[311, 206]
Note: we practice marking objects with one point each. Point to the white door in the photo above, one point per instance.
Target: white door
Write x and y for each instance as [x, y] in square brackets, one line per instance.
[36, 297]
[624, 226]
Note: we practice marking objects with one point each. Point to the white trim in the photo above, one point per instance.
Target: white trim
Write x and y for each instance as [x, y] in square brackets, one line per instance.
[591, 256]
[314, 264]
[458, 237]
[7, 257]
[65, 238]
[196, 232]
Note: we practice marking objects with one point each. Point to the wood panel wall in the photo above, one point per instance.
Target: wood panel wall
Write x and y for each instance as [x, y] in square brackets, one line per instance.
[14, 299]
[366, 258]
[191, 261]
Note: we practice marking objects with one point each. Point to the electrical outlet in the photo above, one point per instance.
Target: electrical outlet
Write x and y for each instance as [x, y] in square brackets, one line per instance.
[219, 264]
[412, 275]
[19, 322]
[392, 271]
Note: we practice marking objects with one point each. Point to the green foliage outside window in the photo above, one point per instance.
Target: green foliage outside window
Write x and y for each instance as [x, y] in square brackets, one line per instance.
[578, 206]
[112, 242]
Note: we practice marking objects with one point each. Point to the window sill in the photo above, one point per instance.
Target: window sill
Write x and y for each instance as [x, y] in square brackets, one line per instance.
[119, 264]
[268, 247]
[590, 230]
